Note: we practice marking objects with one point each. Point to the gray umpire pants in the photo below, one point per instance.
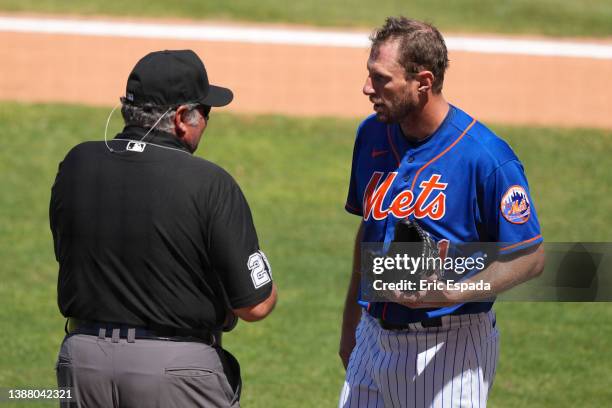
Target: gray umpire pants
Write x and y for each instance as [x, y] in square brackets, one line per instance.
[145, 373]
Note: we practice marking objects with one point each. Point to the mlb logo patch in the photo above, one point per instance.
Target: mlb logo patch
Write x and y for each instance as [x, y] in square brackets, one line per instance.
[515, 206]
[136, 147]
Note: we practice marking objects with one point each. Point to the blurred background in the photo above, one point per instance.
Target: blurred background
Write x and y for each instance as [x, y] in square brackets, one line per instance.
[537, 72]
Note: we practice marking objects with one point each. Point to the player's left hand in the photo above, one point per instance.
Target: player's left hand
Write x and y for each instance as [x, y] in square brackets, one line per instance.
[425, 299]
[432, 298]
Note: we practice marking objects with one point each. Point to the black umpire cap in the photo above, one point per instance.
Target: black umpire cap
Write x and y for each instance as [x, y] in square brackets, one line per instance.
[172, 78]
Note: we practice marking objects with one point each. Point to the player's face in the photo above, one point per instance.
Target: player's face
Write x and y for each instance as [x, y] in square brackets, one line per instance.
[393, 95]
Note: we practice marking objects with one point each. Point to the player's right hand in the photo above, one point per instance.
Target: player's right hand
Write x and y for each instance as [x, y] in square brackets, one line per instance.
[347, 344]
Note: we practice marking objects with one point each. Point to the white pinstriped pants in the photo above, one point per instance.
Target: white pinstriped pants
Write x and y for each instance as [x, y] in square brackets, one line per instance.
[442, 367]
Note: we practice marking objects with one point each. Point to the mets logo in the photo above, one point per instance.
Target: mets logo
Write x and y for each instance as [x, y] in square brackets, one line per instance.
[515, 206]
[405, 203]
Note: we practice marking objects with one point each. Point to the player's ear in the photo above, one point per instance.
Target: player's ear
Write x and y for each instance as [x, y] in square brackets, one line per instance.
[426, 80]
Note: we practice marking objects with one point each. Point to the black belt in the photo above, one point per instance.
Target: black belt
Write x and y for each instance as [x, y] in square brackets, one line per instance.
[130, 332]
[433, 322]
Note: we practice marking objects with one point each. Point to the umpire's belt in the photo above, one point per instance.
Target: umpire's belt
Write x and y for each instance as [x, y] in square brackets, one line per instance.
[130, 332]
[432, 322]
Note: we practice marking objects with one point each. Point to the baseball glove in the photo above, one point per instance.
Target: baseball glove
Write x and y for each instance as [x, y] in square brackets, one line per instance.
[422, 247]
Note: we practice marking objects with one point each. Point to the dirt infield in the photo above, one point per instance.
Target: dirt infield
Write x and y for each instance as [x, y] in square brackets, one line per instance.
[308, 80]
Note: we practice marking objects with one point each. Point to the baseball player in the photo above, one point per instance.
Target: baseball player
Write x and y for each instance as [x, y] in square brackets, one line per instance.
[419, 157]
[157, 251]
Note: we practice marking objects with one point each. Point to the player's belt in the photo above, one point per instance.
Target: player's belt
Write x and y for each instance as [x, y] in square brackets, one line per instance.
[130, 332]
[433, 322]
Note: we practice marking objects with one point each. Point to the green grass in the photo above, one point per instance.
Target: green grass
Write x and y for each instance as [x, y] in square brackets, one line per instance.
[294, 173]
[548, 17]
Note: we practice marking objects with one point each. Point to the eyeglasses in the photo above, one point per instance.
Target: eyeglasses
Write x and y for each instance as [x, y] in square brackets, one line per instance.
[204, 110]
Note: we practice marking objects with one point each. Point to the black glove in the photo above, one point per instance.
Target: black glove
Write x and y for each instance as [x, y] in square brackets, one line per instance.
[231, 321]
[422, 246]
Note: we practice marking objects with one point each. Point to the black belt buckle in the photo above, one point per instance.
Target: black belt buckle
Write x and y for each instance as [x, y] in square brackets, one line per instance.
[432, 322]
[392, 326]
[427, 323]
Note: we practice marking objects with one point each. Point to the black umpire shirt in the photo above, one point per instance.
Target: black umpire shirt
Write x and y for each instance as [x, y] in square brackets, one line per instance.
[152, 235]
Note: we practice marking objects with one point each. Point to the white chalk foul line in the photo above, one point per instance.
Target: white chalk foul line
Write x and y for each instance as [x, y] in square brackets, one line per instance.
[205, 32]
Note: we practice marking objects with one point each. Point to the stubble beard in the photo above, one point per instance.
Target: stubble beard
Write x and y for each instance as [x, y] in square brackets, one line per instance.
[399, 110]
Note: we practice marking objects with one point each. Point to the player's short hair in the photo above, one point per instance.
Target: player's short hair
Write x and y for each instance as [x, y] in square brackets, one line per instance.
[147, 114]
[422, 47]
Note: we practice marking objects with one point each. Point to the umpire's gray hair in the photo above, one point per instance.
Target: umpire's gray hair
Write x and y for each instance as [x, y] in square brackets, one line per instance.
[146, 115]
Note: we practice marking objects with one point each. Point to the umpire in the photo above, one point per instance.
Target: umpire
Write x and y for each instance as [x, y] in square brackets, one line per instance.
[157, 251]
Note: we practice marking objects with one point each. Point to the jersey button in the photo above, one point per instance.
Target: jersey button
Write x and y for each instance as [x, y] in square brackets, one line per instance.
[410, 159]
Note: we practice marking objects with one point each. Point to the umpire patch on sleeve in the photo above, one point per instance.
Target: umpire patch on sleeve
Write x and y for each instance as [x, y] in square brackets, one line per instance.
[261, 272]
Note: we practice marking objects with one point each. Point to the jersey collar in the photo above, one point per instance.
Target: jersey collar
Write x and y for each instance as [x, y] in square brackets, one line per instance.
[156, 136]
[404, 145]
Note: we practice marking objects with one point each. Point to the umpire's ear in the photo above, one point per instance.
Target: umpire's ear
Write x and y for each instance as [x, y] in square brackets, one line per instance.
[181, 124]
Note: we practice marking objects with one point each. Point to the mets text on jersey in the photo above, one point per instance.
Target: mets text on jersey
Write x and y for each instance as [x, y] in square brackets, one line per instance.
[404, 204]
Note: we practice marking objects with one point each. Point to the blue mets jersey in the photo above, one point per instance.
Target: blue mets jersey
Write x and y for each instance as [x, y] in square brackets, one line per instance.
[462, 183]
